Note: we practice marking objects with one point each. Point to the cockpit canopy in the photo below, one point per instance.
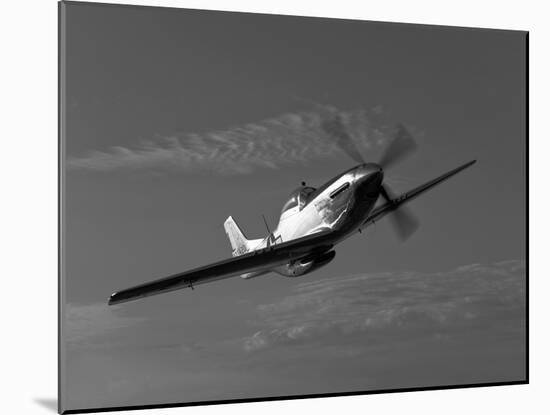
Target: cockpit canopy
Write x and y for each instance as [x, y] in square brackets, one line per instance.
[298, 197]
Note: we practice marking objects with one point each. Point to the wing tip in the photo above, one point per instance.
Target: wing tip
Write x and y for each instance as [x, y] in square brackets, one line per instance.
[117, 298]
[465, 165]
[112, 299]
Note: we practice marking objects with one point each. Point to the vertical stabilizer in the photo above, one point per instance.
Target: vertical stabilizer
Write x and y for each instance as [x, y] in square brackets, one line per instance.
[239, 244]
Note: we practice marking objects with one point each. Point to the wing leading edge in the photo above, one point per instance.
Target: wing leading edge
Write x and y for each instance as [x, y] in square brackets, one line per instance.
[388, 207]
[254, 261]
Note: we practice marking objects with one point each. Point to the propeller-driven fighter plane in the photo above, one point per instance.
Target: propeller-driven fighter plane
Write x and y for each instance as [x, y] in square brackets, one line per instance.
[312, 222]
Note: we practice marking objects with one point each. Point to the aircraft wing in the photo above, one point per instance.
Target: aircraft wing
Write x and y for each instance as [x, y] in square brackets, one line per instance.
[262, 259]
[381, 211]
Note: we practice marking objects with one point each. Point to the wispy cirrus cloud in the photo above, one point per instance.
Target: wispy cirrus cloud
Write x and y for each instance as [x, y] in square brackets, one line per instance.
[271, 143]
[84, 324]
[396, 306]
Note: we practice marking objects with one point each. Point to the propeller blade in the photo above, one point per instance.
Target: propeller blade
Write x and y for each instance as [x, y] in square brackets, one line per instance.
[404, 222]
[335, 128]
[402, 219]
[402, 146]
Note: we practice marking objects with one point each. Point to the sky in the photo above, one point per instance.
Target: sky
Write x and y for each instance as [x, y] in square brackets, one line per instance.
[176, 119]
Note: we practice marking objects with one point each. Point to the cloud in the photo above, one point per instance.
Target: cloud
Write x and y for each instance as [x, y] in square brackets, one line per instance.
[290, 138]
[396, 306]
[92, 323]
[360, 332]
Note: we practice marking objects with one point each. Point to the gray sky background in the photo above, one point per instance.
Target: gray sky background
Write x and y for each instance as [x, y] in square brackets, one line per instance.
[177, 119]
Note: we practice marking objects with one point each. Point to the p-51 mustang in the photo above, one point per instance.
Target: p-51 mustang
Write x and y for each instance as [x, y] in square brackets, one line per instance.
[313, 221]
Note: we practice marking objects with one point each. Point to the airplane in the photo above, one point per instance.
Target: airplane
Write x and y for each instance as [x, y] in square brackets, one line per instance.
[312, 222]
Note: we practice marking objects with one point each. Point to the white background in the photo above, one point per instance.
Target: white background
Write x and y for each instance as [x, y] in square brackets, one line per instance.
[28, 207]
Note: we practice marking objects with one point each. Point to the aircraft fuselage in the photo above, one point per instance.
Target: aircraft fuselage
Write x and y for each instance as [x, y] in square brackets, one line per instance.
[342, 205]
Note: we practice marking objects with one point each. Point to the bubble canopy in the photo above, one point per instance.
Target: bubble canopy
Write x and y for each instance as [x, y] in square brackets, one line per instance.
[298, 197]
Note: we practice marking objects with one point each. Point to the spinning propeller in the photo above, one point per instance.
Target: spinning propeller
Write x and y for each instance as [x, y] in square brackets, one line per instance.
[402, 146]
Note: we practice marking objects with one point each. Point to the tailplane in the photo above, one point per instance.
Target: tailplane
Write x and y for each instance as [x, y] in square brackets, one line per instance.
[239, 244]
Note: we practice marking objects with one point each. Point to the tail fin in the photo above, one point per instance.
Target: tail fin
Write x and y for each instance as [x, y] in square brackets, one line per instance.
[239, 244]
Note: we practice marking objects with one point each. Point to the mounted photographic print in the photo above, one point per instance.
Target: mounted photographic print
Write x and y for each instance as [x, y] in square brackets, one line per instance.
[259, 207]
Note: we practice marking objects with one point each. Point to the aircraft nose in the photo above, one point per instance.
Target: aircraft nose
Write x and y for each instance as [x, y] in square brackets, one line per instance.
[378, 169]
[377, 176]
[372, 172]
[369, 181]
